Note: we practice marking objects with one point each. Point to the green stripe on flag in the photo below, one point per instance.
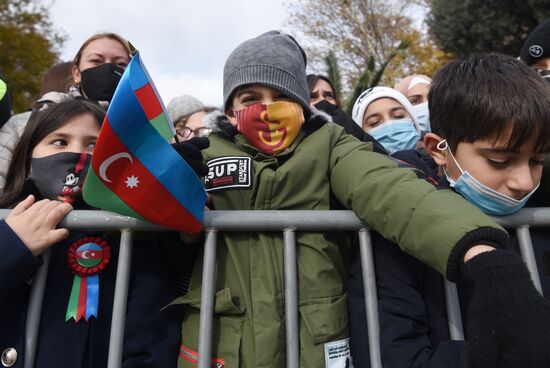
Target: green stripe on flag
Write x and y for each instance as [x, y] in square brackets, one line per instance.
[162, 126]
[97, 194]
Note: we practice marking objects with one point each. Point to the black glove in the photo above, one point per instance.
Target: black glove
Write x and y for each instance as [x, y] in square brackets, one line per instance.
[508, 320]
[191, 152]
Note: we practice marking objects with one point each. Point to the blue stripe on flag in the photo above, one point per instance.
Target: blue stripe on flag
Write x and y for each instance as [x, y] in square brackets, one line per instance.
[138, 77]
[129, 122]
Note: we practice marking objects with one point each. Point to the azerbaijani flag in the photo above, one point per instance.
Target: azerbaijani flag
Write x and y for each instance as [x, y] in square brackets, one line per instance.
[134, 170]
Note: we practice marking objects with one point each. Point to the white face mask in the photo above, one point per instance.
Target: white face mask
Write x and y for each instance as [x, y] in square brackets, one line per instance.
[486, 199]
[422, 116]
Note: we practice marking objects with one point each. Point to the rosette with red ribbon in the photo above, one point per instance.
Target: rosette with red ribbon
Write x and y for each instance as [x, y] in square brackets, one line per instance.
[86, 259]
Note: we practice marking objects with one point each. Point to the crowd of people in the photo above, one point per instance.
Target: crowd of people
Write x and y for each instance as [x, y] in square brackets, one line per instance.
[424, 164]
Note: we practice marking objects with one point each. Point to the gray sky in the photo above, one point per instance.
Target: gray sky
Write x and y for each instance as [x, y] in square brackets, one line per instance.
[183, 43]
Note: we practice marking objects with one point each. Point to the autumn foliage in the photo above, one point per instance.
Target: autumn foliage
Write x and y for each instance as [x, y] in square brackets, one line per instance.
[28, 45]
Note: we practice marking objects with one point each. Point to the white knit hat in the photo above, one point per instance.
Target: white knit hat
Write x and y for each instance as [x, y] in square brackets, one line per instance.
[375, 93]
[183, 106]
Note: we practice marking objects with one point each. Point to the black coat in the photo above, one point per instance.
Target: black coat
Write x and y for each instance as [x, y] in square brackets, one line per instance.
[151, 336]
[413, 318]
[420, 160]
[412, 312]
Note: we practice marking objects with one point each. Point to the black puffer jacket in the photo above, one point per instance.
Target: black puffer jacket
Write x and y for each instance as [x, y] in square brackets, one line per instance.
[413, 318]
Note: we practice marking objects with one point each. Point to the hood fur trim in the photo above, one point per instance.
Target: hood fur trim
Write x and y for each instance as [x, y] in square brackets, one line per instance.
[220, 125]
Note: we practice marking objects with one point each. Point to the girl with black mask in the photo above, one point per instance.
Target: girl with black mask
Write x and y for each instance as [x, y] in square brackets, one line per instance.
[43, 184]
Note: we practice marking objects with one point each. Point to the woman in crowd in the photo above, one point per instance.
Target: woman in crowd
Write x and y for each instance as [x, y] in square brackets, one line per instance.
[98, 66]
[187, 114]
[323, 97]
[388, 116]
[321, 88]
[416, 87]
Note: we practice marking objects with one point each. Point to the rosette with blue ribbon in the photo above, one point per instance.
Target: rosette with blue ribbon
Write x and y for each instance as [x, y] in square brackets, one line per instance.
[86, 259]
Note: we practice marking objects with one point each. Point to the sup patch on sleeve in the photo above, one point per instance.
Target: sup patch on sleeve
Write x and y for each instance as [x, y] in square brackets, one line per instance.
[228, 172]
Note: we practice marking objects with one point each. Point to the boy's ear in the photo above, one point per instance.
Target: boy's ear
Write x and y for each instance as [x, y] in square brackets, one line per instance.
[431, 140]
[231, 116]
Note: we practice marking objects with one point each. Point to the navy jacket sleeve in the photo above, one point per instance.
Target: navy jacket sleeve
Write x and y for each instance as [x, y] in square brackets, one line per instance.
[152, 334]
[17, 263]
[421, 160]
[413, 323]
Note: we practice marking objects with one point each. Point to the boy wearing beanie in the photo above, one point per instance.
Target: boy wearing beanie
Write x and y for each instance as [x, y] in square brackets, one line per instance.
[535, 51]
[270, 152]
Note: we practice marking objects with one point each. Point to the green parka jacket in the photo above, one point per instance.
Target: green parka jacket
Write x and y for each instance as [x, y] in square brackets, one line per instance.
[322, 164]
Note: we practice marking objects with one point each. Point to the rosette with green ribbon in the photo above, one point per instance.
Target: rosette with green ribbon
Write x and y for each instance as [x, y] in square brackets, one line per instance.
[86, 258]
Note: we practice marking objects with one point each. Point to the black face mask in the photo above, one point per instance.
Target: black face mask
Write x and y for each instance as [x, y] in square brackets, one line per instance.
[99, 83]
[60, 176]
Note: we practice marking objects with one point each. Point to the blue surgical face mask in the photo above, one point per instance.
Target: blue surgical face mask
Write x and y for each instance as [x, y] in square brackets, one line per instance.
[422, 116]
[486, 199]
[396, 135]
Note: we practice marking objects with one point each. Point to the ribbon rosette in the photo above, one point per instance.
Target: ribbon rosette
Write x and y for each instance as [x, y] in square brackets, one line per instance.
[86, 258]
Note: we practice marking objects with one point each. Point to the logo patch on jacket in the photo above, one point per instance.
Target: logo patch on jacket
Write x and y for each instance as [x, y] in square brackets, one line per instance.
[338, 354]
[228, 172]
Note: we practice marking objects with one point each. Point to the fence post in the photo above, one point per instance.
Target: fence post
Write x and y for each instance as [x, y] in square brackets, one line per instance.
[292, 323]
[207, 299]
[526, 250]
[118, 321]
[454, 316]
[34, 312]
[371, 297]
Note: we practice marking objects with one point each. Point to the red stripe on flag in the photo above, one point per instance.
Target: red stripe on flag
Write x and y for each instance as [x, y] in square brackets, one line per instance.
[81, 310]
[136, 186]
[149, 101]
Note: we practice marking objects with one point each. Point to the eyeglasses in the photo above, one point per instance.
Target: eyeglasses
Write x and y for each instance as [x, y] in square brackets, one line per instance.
[185, 132]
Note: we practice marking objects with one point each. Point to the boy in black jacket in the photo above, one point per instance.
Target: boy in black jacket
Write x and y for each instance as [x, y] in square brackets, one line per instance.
[490, 126]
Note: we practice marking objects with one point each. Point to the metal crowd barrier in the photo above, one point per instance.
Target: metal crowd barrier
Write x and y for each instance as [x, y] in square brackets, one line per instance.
[287, 222]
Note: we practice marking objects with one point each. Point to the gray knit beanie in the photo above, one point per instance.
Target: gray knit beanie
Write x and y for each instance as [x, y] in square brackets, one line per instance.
[273, 59]
[183, 106]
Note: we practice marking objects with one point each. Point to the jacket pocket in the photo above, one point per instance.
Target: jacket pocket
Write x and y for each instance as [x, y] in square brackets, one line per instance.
[227, 329]
[326, 319]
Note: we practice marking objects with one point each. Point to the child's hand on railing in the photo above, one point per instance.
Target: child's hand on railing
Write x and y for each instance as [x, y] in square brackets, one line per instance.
[35, 223]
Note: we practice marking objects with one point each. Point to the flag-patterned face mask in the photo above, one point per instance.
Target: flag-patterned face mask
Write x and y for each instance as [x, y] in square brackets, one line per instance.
[270, 128]
[60, 176]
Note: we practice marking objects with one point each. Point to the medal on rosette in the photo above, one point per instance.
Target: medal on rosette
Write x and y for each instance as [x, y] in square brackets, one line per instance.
[86, 259]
